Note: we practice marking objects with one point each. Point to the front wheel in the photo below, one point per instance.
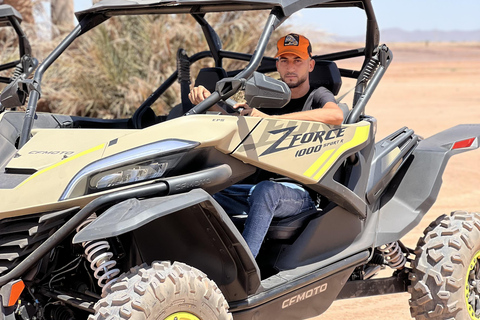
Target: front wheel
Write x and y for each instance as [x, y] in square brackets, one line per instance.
[446, 271]
[163, 291]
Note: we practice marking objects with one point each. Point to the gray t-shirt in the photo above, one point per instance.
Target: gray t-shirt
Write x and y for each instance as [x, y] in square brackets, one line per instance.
[318, 98]
[315, 98]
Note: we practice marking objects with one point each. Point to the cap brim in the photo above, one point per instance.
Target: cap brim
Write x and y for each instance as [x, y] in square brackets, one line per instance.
[302, 55]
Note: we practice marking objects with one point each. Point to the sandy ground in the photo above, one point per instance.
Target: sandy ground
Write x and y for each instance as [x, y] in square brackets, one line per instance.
[428, 88]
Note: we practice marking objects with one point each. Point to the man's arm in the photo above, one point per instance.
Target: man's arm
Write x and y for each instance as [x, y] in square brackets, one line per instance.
[200, 93]
[329, 114]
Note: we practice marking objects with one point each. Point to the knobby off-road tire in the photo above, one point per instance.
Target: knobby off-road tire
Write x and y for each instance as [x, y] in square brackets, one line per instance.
[446, 274]
[163, 291]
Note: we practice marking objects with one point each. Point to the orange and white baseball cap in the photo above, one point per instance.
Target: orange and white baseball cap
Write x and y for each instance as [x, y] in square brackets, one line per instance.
[295, 44]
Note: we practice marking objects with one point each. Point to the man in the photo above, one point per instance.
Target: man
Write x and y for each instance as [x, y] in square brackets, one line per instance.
[268, 199]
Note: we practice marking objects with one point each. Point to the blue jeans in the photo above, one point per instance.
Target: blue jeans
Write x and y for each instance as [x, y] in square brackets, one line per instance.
[262, 202]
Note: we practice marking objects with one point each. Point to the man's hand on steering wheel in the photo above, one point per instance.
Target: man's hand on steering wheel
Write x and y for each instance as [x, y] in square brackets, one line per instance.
[245, 110]
[200, 93]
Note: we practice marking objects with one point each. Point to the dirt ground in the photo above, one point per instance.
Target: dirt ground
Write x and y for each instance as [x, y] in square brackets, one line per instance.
[429, 88]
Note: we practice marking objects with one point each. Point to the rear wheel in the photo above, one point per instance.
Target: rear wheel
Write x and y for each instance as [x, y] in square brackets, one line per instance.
[446, 271]
[163, 291]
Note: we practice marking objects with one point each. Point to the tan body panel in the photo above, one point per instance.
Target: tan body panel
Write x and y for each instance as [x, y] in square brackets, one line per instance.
[301, 150]
[223, 132]
[298, 149]
[50, 146]
[45, 187]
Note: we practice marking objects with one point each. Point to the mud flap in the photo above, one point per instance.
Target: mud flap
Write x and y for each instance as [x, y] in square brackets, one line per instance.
[189, 227]
[415, 187]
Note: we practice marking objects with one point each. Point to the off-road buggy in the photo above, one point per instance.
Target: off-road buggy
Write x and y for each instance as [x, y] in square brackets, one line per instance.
[115, 218]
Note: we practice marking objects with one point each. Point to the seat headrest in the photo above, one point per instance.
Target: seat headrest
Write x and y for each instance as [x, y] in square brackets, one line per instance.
[326, 74]
[208, 77]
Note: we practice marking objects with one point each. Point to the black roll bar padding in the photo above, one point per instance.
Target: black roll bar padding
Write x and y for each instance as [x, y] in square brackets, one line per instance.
[213, 40]
[149, 190]
[275, 18]
[183, 73]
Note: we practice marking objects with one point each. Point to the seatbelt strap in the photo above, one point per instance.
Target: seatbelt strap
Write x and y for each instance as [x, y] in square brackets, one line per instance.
[343, 95]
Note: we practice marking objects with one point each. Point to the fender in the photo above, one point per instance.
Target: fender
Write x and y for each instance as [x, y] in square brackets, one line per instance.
[415, 187]
[166, 228]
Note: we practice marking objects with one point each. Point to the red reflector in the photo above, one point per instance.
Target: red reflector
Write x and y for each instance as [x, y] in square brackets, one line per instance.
[463, 144]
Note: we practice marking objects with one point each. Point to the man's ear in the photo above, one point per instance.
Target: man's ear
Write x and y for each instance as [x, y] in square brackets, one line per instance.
[311, 65]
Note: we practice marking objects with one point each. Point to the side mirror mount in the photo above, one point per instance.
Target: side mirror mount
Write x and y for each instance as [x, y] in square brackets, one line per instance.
[16, 93]
[262, 91]
[13, 95]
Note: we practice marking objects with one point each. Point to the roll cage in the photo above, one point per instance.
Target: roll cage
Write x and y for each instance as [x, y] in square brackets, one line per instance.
[376, 59]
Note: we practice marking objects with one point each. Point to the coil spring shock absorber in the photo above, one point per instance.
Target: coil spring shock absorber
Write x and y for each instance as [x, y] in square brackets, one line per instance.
[365, 76]
[100, 258]
[17, 72]
[393, 255]
[371, 66]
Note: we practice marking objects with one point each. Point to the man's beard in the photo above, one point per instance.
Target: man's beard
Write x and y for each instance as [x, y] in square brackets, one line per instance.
[293, 85]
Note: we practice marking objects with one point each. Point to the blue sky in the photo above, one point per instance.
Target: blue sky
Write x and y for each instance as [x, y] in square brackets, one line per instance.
[410, 15]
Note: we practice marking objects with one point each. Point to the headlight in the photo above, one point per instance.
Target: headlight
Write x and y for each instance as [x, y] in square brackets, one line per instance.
[141, 172]
[135, 165]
